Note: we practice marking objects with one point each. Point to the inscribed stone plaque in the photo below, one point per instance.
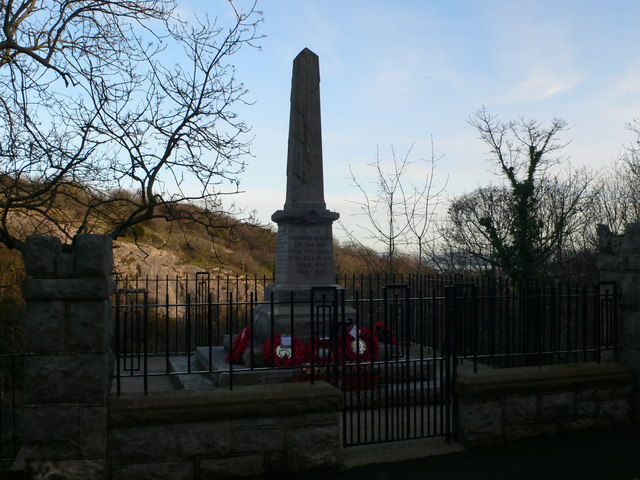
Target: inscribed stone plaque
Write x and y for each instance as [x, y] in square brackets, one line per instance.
[305, 254]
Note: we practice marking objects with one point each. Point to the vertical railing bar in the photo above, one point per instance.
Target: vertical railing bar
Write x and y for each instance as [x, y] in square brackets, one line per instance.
[145, 320]
[210, 329]
[188, 331]
[117, 343]
[597, 322]
[230, 333]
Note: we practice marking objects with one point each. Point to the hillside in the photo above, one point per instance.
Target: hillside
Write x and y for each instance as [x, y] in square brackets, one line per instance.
[161, 248]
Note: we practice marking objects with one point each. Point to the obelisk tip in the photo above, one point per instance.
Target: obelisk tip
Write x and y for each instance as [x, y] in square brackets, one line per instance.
[305, 52]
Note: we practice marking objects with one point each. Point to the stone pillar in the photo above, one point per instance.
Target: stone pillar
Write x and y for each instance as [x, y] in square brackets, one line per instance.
[619, 261]
[67, 336]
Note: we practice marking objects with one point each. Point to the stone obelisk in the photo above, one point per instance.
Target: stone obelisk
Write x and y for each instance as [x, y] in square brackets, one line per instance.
[305, 239]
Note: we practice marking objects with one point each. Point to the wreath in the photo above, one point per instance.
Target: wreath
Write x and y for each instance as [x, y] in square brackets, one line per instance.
[322, 351]
[383, 334]
[240, 344]
[284, 356]
[359, 345]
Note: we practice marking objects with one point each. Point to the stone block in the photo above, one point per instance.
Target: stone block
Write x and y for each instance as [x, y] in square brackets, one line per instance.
[67, 470]
[44, 326]
[586, 394]
[616, 244]
[328, 418]
[613, 412]
[312, 447]
[631, 238]
[628, 288]
[204, 439]
[51, 433]
[557, 405]
[67, 288]
[635, 407]
[155, 471]
[254, 440]
[480, 422]
[93, 431]
[275, 462]
[586, 407]
[579, 424]
[231, 467]
[515, 432]
[633, 261]
[41, 256]
[93, 255]
[615, 392]
[631, 357]
[608, 262]
[65, 265]
[520, 409]
[67, 379]
[630, 329]
[89, 325]
[144, 444]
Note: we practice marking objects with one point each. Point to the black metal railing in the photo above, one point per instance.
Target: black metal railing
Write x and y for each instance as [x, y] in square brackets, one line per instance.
[505, 325]
[394, 356]
[497, 323]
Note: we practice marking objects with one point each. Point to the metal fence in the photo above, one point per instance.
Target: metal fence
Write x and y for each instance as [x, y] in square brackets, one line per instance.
[394, 351]
[505, 325]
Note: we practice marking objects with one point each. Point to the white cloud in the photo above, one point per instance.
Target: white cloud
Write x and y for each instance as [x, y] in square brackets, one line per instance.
[541, 86]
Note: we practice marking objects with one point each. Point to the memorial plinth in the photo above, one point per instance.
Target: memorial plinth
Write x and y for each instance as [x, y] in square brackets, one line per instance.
[305, 234]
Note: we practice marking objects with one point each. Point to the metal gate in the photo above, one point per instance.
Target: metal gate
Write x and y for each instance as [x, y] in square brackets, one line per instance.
[397, 367]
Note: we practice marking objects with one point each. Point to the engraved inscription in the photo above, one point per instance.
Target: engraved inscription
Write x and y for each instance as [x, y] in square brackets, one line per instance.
[305, 253]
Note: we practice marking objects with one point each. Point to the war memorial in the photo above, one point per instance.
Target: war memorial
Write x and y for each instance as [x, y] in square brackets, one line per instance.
[91, 409]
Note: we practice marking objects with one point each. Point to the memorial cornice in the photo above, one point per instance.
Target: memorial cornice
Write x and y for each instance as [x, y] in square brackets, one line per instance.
[305, 216]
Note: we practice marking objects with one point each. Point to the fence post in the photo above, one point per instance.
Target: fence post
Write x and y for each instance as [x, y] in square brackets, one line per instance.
[619, 262]
[67, 333]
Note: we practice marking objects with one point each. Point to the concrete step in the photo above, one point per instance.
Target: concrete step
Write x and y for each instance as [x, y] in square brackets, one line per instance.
[391, 371]
[189, 381]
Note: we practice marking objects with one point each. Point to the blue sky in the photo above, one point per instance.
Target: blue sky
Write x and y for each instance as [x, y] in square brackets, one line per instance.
[397, 73]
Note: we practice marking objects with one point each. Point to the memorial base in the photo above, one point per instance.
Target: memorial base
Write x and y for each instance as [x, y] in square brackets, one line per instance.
[313, 313]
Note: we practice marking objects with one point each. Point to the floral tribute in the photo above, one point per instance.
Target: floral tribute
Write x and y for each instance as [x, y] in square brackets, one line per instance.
[360, 345]
[321, 351]
[282, 355]
[240, 344]
[383, 334]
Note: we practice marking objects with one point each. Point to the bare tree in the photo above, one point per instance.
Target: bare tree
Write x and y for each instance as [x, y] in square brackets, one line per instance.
[383, 209]
[618, 189]
[116, 112]
[398, 211]
[421, 206]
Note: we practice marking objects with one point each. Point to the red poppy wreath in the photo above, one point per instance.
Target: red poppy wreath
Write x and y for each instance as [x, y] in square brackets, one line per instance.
[284, 354]
[383, 334]
[240, 344]
[360, 345]
[322, 351]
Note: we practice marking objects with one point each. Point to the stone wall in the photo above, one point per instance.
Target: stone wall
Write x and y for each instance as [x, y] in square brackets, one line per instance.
[67, 333]
[497, 406]
[223, 433]
[619, 261]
